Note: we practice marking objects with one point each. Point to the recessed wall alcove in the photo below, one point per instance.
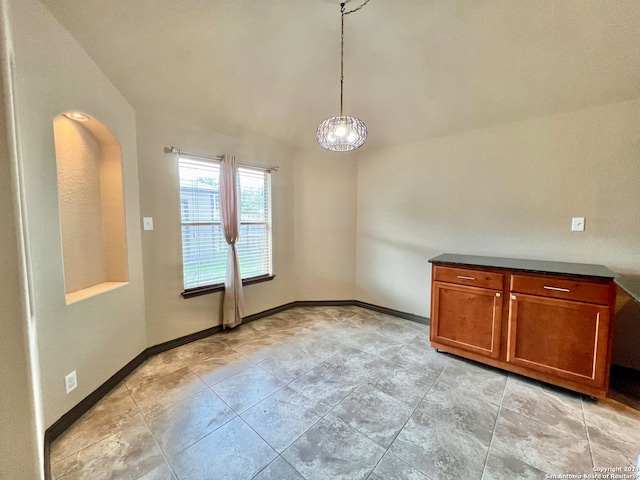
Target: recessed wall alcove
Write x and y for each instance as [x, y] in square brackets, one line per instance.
[91, 203]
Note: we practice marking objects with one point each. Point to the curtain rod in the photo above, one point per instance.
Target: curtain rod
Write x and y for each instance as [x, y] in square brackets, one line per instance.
[219, 158]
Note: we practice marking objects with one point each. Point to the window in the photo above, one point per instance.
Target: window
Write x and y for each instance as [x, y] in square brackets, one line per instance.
[204, 249]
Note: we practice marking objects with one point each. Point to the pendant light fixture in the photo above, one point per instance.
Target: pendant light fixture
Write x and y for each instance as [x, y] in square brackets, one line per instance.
[342, 134]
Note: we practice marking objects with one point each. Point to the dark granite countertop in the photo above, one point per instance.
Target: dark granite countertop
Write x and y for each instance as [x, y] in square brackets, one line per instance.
[631, 285]
[582, 270]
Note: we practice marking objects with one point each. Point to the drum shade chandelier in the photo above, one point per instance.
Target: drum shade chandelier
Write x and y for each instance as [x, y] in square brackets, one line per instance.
[342, 133]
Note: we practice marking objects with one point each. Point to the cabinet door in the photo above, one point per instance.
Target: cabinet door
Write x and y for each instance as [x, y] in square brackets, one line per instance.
[466, 317]
[562, 338]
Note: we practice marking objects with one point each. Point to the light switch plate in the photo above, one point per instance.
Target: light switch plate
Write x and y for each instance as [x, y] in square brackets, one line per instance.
[147, 223]
[577, 224]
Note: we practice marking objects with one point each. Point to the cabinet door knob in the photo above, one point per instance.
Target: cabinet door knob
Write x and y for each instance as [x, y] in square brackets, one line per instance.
[513, 297]
[498, 294]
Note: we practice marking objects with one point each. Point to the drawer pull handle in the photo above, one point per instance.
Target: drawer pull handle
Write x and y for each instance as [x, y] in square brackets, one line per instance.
[465, 278]
[557, 289]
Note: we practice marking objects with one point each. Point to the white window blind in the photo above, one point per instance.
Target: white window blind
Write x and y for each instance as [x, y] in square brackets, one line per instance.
[204, 249]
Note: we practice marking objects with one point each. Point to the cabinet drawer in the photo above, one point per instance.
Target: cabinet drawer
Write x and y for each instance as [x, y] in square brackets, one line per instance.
[465, 276]
[567, 289]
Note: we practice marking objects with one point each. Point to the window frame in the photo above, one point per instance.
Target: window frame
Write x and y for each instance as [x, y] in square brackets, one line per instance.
[217, 287]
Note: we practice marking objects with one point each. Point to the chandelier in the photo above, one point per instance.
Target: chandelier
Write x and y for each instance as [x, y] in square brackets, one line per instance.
[342, 133]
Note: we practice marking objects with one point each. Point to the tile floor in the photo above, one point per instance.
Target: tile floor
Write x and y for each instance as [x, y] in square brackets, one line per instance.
[337, 393]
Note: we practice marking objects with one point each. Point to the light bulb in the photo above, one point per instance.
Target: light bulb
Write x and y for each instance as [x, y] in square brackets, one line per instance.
[341, 134]
[79, 117]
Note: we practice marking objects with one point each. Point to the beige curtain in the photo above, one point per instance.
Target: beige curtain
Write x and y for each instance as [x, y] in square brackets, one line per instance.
[233, 301]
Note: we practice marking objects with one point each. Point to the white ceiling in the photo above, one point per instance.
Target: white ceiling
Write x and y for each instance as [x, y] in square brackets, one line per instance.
[414, 69]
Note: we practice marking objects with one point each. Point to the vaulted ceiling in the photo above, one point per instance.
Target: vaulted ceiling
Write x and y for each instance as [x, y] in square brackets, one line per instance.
[414, 69]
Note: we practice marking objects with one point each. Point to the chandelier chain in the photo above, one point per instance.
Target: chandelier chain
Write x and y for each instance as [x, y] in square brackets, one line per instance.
[343, 13]
[356, 9]
[341, 55]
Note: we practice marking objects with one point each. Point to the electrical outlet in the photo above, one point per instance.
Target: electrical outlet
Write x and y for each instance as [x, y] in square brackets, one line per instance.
[70, 381]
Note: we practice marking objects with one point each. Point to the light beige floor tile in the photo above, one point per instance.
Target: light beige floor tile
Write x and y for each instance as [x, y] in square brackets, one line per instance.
[282, 417]
[264, 347]
[289, 364]
[468, 412]
[161, 472]
[279, 469]
[184, 423]
[373, 413]
[216, 369]
[322, 384]
[161, 392]
[239, 335]
[605, 457]
[392, 468]
[333, 450]
[127, 455]
[156, 366]
[614, 426]
[553, 406]
[409, 385]
[319, 345]
[105, 419]
[201, 350]
[487, 383]
[372, 342]
[119, 389]
[353, 364]
[243, 390]
[430, 445]
[234, 451]
[550, 449]
[402, 333]
[501, 466]
[412, 356]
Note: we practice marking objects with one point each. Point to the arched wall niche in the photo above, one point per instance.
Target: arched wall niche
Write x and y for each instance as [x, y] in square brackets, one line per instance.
[91, 203]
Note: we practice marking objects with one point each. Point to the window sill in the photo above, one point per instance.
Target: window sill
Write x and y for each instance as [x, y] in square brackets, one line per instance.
[219, 287]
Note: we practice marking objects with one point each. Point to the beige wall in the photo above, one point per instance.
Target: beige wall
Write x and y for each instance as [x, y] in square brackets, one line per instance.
[20, 439]
[113, 211]
[19, 443]
[91, 203]
[78, 168]
[168, 314]
[507, 191]
[325, 225]
[99, 335]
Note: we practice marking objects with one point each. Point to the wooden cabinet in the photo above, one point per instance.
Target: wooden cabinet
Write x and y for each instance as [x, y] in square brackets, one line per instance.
[559, 327]
[472, 315]
[554, 327]
[559, 337]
